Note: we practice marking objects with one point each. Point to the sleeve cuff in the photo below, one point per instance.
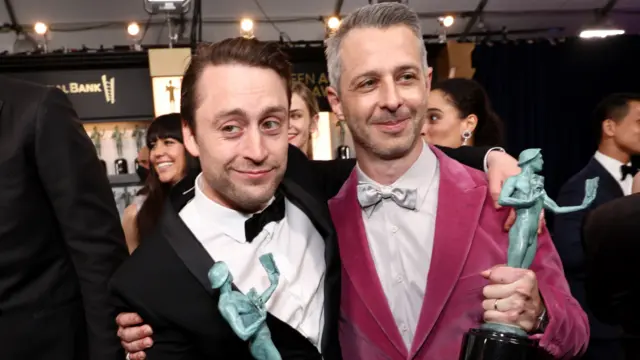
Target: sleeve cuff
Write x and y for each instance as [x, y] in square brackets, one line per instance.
[486, 157]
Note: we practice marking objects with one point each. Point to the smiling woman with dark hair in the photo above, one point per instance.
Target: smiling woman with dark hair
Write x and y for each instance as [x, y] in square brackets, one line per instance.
[169, 163]
[460, 114]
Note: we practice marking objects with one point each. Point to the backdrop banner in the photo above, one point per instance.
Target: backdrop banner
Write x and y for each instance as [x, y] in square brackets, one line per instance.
[117, 94]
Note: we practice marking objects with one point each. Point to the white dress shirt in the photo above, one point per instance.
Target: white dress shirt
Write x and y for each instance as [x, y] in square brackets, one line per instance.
[613, 167]
[401, 241]
[297, 247]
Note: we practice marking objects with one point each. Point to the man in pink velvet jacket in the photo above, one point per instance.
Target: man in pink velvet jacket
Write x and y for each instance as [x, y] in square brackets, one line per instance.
[420, 239]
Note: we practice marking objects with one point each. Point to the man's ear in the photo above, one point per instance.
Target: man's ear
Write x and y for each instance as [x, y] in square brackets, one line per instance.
[334, 101]
[609, 127]
[189, 139]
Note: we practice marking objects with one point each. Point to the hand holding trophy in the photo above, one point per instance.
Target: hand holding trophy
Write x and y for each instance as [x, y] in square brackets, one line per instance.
[247, 314]
[513, 305]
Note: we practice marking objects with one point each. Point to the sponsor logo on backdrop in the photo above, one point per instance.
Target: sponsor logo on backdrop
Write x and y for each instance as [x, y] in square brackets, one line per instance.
[106, 86]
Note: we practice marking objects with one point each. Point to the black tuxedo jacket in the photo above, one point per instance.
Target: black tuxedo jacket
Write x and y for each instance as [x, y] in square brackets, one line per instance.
[60, 234]
[569, 240]
[165, 280]
[612, 250]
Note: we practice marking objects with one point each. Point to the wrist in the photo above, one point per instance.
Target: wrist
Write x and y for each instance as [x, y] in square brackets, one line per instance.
[541, 321]
[490, 155]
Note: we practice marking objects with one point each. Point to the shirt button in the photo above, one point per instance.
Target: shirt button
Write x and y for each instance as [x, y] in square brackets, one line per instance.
[399, 278]
[404, 327]
[394, 229]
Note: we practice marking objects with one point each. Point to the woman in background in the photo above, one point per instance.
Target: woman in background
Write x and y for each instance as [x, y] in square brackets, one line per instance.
[460, 114]
[303, 118]
[169, 162]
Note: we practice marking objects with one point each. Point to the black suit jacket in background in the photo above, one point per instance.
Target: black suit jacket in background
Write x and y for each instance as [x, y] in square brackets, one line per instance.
[60, 234]
[612, 242]
[568, 237]
[165, 280]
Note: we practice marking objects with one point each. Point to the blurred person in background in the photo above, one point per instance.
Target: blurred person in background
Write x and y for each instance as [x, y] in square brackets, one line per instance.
[617, 128]
[168, 164]
[612, 248]
[142, 164]
[60, 233]
[460, 114]
[303, 118]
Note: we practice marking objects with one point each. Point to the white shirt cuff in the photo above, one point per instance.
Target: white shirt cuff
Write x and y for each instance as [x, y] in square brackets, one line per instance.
[486, 156]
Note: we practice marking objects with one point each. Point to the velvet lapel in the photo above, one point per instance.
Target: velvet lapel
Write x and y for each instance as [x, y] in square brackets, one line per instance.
[358, 262]
[460, 202]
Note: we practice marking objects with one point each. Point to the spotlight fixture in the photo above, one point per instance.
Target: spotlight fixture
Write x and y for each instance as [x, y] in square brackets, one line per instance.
[446, 21]
[133, 29]
[167, 6]
[40, 28]
[333, 23]
[601, 32]
[246, 28]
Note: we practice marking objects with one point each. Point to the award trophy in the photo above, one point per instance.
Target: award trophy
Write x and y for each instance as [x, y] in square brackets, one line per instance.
[525, 193]
[138, 135]
[343, 151]
[120, 163]
[247, 314]
[96, 138]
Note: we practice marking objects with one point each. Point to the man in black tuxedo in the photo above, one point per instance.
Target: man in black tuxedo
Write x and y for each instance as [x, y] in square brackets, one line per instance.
[617, 124]
[612, 251]
[60, 234]
[235, 106]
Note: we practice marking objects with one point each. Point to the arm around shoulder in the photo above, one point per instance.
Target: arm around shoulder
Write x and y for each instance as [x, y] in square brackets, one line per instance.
[567, 334]
[77, 187]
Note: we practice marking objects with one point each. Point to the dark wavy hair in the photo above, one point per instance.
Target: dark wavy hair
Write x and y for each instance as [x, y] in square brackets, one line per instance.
[163, 127]
[470, 98]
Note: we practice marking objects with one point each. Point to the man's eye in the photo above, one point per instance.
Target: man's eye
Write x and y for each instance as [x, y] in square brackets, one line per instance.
[271, 124]
[231, 128]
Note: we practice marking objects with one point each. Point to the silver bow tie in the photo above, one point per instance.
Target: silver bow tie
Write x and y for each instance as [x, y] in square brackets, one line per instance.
[370, 195]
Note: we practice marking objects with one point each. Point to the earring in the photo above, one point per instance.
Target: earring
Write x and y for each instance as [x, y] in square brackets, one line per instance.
[466, 135]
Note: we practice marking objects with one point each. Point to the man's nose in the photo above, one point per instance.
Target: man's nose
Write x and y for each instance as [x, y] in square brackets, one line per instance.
[254, 148]
[390, 96]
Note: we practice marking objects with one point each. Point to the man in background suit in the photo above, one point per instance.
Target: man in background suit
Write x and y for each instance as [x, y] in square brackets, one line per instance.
[60, 234]
[617, 125]
[612, 271]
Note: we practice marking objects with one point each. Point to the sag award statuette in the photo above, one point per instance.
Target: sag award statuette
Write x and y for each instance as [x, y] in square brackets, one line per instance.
[96, 138]
[343, 151]
[525, 193]
[247, 314]
[138, 135]
[120, 163]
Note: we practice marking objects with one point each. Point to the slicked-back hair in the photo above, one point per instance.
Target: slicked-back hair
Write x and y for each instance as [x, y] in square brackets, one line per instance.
[379, 16]
[239, 50]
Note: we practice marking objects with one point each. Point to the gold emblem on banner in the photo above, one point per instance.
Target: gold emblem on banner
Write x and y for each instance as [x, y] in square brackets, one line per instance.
[166, 94]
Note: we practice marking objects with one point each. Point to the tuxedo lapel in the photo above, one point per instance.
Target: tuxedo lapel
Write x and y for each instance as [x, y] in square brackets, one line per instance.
[194, 256]
[608, 183]
[358, 262]
[460, 203]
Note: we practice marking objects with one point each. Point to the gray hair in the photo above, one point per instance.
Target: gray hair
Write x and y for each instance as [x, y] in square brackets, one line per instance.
[380, 16]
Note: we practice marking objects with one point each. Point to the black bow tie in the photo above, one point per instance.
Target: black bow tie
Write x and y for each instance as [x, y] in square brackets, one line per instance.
[628, 170]
[274, 212]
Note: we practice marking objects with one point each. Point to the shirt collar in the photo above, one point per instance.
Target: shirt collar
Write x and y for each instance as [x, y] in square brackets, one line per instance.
[217, 217]
[419, 176]
[610, 164]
